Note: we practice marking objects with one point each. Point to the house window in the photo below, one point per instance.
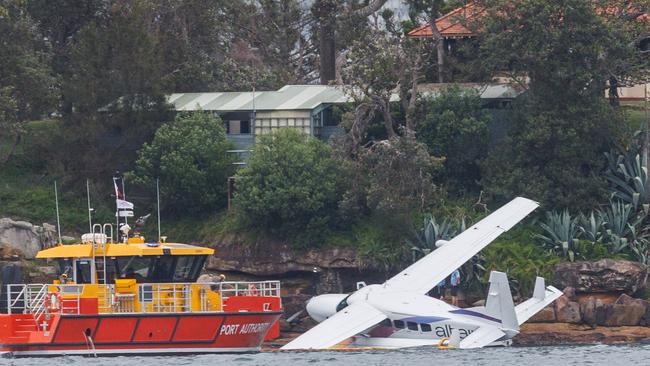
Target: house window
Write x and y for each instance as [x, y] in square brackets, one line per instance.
[236, 127]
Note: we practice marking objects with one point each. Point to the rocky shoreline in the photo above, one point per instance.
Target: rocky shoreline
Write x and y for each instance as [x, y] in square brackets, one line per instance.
[600, 304]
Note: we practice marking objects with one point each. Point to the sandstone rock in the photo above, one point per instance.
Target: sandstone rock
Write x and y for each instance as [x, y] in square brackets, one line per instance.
[605, 275]
[26, 238]
[546, 315]
[616, 315]
[570, 293]
[560, 333]
[588, 311]
[568, 313]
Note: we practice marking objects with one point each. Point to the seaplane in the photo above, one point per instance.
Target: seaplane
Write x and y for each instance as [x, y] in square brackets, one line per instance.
[398, 313]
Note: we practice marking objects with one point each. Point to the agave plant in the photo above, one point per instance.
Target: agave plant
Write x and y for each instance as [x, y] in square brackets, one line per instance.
[560, 233]
[628, 176]
[619, 224]
[431, 232]
[592, 227]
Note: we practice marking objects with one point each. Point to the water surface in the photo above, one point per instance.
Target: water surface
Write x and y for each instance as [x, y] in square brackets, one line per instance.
[627, 355]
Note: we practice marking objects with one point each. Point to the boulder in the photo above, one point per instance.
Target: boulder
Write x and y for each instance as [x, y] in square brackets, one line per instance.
[567, 311]
[588, 311]
[605, 275]
[25, 239]
[546, 315]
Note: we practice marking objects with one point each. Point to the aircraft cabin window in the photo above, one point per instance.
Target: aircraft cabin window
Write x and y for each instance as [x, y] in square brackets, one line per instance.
[399, 324]
[425, 327]
[386, 323]
[412, 326]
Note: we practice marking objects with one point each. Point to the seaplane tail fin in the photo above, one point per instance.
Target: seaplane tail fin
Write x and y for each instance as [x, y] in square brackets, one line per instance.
[499, 302]
[481, 337]
[348, 322]
[542, 297]
[424, 274]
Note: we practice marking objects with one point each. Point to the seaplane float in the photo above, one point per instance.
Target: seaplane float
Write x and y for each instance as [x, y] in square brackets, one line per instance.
[398, 313]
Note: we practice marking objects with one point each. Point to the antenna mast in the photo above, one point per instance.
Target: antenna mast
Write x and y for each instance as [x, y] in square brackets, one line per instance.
[158, 205]
[58, 221]
[90, 210]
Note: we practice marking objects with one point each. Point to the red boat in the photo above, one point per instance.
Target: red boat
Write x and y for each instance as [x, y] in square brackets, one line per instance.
[131, 297]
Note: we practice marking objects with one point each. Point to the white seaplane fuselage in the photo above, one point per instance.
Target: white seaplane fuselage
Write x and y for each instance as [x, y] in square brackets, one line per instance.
[411, 319]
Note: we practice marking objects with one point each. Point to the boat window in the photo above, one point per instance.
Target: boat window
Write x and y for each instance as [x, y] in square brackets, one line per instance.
[386, 323]
[83, 271]
[399, 324]
[188, 268]
[412, 326]
[134, 267]
[163, 269]
[65, 266]
[425, 327]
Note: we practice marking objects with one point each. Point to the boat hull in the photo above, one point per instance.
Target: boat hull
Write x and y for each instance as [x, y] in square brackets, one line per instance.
[131, 334]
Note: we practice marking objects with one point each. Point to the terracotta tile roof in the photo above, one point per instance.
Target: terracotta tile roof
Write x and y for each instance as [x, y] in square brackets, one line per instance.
[451, 24]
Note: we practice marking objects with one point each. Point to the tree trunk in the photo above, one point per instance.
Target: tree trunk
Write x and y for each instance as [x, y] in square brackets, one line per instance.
[388, 119]
[440, 49]
[327, 50]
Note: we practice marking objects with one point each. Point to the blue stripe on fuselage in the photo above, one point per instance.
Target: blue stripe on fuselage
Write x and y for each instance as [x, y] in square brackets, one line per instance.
[476, 314]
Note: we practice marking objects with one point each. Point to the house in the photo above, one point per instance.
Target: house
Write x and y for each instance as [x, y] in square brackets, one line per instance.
[252, 113]
[453, 28]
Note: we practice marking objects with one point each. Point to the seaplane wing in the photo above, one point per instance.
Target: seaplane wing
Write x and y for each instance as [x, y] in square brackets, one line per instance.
[348, 322]
[482, 337]
[424, 274]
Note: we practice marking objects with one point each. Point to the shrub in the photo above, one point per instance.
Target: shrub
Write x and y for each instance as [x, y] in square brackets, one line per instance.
[456, 127]
[190, 158]
[291, 187]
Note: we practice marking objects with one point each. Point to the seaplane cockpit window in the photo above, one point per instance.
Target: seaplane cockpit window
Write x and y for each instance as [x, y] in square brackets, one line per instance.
[425, 327]
[386, 323]
[399, 324]
[412, 326]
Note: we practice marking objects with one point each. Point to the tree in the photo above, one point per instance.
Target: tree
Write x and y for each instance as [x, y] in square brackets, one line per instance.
[190, 158]
[456, 127]
[334, 17]
[560, 129]
[27, 84]
[290, 187]
[117, 88]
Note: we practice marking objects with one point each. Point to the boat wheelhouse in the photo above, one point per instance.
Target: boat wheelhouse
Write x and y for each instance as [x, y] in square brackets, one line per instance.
[129, 296]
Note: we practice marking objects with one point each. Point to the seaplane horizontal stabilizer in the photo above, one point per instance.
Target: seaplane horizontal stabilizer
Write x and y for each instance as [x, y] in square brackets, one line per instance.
[482, 337]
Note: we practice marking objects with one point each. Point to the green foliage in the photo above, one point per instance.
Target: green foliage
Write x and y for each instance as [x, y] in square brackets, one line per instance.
[291, 187]
[561, 128]
[456, 127]
[522, 261]
[561, 232]
[393, 178]
[628, 177]
[27, 83]
[190, 158]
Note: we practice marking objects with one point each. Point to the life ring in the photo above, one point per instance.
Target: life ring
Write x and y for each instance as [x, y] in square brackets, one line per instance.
[252, 290]
[53, 301]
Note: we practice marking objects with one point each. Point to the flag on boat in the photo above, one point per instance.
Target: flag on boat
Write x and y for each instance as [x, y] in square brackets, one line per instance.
[124, 205]
[118, 194]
